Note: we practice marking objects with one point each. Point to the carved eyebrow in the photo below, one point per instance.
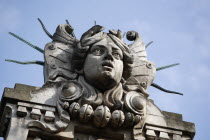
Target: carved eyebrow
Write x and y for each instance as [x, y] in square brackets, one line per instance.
[98, 46]
[114, 48]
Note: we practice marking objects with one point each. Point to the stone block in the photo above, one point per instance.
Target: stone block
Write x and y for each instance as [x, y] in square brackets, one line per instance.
[35, 114]
[177, 137]
[25, 88]
[186, 138]
[163, 136]
[172, 115]
[166, 130]
[151, 135]
[49, 116]
[41, 107]
[21, 111]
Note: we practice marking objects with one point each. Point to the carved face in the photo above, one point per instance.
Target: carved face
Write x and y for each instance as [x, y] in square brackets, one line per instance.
[103, 65]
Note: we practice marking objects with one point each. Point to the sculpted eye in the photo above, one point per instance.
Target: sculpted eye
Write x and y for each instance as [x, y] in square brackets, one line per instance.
[116, 55]
[97, 51]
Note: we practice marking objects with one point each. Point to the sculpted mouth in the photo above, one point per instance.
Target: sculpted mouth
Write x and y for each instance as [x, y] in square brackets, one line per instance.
[107, 65]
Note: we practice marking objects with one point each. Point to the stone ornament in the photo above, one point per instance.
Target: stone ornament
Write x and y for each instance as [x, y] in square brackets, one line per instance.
[97, 81]
[74, 110]
[101, 82]
[85, 113]
[135, 102]
[102, 116]
[70, 92]
[118, 118]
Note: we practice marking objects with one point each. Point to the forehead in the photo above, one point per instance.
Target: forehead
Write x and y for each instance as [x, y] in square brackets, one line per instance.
[107, 43]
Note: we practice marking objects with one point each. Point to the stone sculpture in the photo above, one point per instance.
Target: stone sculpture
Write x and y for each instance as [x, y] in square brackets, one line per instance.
[95, 76]
[92, 86]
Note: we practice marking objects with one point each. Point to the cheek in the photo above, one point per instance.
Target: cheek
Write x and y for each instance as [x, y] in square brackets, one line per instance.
[119, 67]
[91, 64]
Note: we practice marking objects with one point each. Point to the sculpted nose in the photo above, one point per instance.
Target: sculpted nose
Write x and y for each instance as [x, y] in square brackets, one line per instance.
[109, 57]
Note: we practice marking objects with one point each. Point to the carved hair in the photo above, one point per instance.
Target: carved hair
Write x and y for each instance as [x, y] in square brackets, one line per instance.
[110, 98]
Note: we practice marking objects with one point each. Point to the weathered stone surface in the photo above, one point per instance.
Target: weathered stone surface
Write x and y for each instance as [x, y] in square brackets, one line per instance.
[167, 130]
[97, 81]
[49, 116]
[31, 105]
[21, 111]
[17, 125]
[172, 115]
[85, 113]
[177, 137]
[156, 117]
[151, 134]
[45, 95]
[118, 118]
[163, 136]
[22, 95]
[74, 110]
[26, 88]
[35, 114]
[186, 138]
[102, 116]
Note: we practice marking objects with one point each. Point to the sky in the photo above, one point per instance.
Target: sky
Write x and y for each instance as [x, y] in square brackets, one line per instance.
[180, 30]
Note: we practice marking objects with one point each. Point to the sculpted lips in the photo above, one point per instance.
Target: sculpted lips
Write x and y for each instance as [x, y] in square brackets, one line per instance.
[107, 65]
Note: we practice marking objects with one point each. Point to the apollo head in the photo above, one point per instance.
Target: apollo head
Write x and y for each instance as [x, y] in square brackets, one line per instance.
[103, 58]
